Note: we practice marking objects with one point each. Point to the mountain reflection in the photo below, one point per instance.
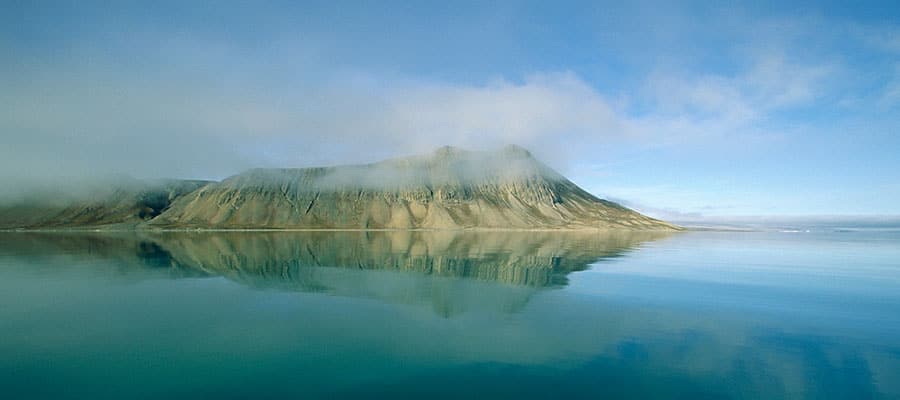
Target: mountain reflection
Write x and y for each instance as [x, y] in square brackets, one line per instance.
[411, 314]
[445, 268]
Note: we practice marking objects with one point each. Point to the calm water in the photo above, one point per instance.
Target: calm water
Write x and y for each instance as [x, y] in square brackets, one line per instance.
[275, 315]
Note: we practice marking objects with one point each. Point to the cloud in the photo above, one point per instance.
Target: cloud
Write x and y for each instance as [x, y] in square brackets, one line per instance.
[881, 38]
[890, 93]
[658, 200]
[721, 106]
[96, 124]
[202, 108]
[546, 112]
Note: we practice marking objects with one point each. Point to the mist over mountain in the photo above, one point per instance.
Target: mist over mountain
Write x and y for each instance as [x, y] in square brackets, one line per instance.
[450, 188]
[115, 203]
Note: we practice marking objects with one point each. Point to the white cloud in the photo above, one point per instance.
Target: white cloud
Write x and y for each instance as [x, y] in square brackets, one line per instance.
[882, 38]
[890, 94]
[713, 105]
[99, 125]
[122, 126]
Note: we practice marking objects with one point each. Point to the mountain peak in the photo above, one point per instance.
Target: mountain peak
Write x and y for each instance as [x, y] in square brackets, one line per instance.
[516, 150]
[451, 188]
[508, 150]
[446, 151]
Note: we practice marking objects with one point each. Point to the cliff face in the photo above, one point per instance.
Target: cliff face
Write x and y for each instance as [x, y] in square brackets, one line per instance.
[449, 189]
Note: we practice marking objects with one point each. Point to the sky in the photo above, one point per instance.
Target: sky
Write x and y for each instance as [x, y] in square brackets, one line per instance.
[679, 109]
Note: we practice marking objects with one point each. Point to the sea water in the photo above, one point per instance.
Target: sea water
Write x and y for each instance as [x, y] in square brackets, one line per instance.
[761, 314]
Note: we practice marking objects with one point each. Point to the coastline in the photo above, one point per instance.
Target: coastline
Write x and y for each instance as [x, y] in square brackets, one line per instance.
[474, 229]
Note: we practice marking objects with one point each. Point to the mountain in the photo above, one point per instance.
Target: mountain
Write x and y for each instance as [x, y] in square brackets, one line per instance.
[448, 189]
[115, 203]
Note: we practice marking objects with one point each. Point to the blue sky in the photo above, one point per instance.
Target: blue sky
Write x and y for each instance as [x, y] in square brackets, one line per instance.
[714, 109]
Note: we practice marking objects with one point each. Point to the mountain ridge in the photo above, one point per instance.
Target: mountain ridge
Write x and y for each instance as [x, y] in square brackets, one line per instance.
[450, 188]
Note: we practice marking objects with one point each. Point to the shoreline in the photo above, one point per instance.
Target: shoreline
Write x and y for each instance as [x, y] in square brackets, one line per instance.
[200, 230]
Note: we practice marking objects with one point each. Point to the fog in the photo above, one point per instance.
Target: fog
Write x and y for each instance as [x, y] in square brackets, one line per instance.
[444, 166]
[81, 132]
[57, 129]
[207, 90]
[165, 92]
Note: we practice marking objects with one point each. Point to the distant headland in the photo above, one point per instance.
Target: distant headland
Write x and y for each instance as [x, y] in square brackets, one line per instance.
[450, 188]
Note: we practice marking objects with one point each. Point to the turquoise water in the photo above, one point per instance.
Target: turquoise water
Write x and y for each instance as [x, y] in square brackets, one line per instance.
[526, 315]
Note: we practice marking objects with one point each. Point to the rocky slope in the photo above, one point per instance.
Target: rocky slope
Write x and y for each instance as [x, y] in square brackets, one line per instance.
[121, 203]
[449, 189]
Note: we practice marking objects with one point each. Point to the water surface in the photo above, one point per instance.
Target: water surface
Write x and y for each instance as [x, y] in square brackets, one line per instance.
[444, 314]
